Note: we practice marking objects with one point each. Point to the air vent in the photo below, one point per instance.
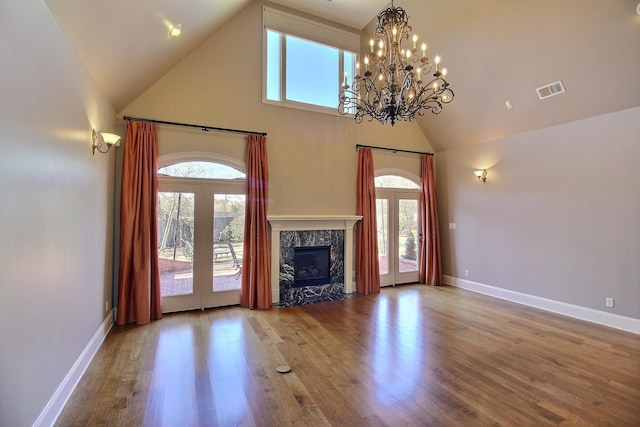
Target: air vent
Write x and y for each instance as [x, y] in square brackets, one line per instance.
[555, 88]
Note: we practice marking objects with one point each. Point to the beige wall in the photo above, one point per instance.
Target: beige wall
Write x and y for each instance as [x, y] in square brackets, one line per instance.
[558, 216]
[312, 156]
[56, 215]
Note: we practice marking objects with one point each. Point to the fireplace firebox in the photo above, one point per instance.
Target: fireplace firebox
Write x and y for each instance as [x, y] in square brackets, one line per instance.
[311, 265]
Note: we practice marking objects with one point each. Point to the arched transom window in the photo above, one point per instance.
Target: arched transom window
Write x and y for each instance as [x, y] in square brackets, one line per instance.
[209, 170]
[395, 181]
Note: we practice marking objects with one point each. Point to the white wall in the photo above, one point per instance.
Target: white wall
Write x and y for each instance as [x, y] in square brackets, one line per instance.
[56, 215]
[558, 217]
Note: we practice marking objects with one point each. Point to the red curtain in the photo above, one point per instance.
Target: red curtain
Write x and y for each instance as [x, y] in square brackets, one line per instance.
[367, 265]
[138, 279]
[256, 260]
[430, 264]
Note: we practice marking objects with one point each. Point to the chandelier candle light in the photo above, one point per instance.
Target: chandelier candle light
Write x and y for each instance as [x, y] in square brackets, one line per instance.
[392, 88]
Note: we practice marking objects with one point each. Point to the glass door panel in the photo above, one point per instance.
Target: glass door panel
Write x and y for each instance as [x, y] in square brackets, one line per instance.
[382, 220]
[397, 222]
[175, 243]
[406, 232]
[228, 237]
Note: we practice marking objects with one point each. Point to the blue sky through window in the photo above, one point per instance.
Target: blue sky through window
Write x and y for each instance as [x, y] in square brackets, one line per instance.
[273, 65]
[312, 75]
[350, 69]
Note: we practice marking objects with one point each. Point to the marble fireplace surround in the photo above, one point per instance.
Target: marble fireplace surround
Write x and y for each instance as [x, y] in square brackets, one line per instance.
[280, 223]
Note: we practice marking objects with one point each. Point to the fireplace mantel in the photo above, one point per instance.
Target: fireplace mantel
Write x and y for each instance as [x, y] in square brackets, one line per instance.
[311, 222]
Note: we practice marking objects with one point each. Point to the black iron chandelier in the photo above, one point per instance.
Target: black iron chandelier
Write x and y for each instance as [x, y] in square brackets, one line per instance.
[392, 86]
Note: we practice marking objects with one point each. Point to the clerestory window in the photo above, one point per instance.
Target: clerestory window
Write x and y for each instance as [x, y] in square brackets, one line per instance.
[305, 62]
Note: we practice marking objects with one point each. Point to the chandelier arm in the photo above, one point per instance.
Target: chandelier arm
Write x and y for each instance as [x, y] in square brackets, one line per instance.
[371, 88]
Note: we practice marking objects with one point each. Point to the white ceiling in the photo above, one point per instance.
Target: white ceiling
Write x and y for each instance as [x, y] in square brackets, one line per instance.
[495, 50]
[108, 34]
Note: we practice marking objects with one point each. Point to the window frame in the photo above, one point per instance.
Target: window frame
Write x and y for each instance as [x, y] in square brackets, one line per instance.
[329, 33]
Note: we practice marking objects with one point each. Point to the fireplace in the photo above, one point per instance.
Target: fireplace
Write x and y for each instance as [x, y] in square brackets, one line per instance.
[311, 258]
[311, 265]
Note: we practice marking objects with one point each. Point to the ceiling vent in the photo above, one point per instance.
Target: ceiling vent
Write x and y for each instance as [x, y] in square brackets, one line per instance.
[552, 89]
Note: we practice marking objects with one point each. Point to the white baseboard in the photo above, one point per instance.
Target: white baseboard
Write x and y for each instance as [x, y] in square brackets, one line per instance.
[617, 321]
[54, 407]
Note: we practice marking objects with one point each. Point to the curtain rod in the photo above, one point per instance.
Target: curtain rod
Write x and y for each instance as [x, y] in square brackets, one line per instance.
[395, 150]
[201, 127]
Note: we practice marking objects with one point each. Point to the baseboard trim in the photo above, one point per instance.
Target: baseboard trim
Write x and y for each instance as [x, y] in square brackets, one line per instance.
[617, 321]
[54, 407]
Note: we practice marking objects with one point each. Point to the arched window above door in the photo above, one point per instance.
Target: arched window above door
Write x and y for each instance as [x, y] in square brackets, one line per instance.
[395, 181]
[201, 169]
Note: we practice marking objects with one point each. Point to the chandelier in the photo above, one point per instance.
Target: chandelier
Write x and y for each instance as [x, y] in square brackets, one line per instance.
[392, 87]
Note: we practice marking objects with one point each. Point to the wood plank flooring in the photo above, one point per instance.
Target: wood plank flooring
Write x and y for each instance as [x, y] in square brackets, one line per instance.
[409, 356]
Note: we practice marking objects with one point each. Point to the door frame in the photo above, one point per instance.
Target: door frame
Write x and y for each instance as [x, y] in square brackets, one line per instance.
[393, 195]
[203, 190]
[203, 242]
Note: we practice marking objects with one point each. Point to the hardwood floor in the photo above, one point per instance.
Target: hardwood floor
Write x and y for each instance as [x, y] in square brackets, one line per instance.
[412, 355]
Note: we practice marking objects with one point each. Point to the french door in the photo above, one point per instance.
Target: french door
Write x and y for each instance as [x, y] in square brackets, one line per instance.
[398, 235]
[200, 233]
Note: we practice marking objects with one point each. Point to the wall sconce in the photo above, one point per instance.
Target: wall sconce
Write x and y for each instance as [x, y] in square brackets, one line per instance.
[481, 174]
[108, 140]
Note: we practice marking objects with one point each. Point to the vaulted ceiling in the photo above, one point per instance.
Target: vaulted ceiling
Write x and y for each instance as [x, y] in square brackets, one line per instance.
[495, 51]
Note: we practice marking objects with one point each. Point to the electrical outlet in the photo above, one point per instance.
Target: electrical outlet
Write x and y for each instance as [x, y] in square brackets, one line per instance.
[106, 305]
[466, 273]
[608, 301]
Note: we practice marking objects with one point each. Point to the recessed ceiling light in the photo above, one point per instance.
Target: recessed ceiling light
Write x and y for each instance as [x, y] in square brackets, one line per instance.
[176, 30]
